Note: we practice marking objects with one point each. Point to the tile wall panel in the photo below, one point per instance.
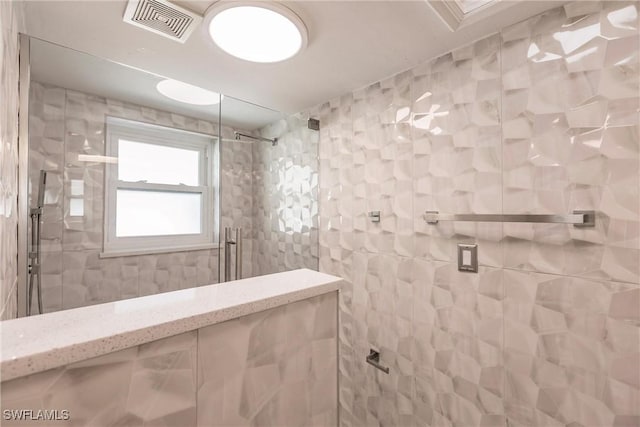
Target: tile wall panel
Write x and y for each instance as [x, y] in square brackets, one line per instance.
[277, 367]
[382, 307]
[571, 99]
[10, 19]
[468, 344]
[457, 150]
[540, 118]
[382, 174]
[336, 232]
[273, 368]
[571, 351]
[152, 384]
[572, 337]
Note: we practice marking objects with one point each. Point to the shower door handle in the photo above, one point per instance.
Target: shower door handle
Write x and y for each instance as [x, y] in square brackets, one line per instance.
[238, 253]
[227, 253]
[228, 242]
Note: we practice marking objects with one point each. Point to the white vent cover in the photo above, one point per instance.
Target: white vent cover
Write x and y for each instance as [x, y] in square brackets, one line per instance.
[162, 17]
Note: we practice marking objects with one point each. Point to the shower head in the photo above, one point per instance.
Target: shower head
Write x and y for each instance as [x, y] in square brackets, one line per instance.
[41, 188]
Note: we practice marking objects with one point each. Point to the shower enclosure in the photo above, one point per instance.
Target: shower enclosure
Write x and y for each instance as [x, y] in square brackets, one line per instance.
[132, 193]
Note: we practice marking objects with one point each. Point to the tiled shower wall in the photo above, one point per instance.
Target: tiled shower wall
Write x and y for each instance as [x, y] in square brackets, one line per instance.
[66, 123]
[10, 18]
[285, 197]
[539, 118]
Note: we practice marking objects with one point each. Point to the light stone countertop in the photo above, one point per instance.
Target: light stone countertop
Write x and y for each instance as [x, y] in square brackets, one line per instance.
[37, 343]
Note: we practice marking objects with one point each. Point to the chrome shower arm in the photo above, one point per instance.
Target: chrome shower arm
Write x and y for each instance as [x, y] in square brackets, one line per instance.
[273, 141]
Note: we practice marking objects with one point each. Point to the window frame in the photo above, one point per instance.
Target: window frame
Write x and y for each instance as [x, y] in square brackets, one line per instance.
[118, 128]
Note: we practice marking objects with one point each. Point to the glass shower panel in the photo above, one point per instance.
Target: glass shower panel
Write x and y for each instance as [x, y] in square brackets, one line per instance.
[269, 183]
[69, 106]
[258, 178]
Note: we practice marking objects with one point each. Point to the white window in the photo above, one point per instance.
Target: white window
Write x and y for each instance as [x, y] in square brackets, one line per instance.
[159, 195]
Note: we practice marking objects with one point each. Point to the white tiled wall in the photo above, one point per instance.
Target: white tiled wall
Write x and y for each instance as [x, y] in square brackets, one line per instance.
[10, 16]
[539, 118]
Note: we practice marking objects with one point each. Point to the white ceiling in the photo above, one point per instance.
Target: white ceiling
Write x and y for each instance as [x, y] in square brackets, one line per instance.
[351, 44]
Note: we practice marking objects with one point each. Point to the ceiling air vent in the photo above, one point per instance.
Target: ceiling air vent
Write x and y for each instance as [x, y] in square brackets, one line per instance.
[162, 17]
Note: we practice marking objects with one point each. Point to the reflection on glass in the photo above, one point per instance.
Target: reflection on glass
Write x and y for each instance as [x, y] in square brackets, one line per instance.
[157, 164]
[77, 187]
[76, 207]
[157, 213]
[468, 6]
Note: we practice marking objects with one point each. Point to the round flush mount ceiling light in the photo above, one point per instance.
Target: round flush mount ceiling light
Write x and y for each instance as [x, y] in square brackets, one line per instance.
[256, 31]
[189, 94]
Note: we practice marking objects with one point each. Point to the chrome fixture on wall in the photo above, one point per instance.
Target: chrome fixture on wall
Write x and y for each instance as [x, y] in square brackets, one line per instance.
[577, 218]
[228, 243]
[373, 359]
[468, 257]
[313, 124]
[34, 252]
[239, 135]
[374, 216]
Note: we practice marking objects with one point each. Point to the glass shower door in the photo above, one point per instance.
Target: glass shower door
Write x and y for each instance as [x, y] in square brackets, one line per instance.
[129, 204]
[268, 192]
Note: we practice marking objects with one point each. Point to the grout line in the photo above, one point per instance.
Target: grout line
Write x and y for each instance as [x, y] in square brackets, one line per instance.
[496, 267]
[502, 245]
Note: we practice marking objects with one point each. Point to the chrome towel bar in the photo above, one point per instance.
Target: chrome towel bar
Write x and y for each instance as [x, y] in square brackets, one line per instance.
[577, 218]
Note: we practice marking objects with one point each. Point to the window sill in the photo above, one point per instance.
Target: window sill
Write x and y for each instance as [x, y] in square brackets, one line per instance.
[137, 252]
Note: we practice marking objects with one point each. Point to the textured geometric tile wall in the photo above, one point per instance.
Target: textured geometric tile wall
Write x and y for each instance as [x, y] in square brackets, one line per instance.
[153, 384]
[540, 118]
[277, 367]
[273, 368]
[570, 141]
[382, 168]
[457, 150]
[382, 319]
[336, 232]
[379, 133]
[571, 95]
[10, 16]
[64, 123]
[285, 207]
[571, 351]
